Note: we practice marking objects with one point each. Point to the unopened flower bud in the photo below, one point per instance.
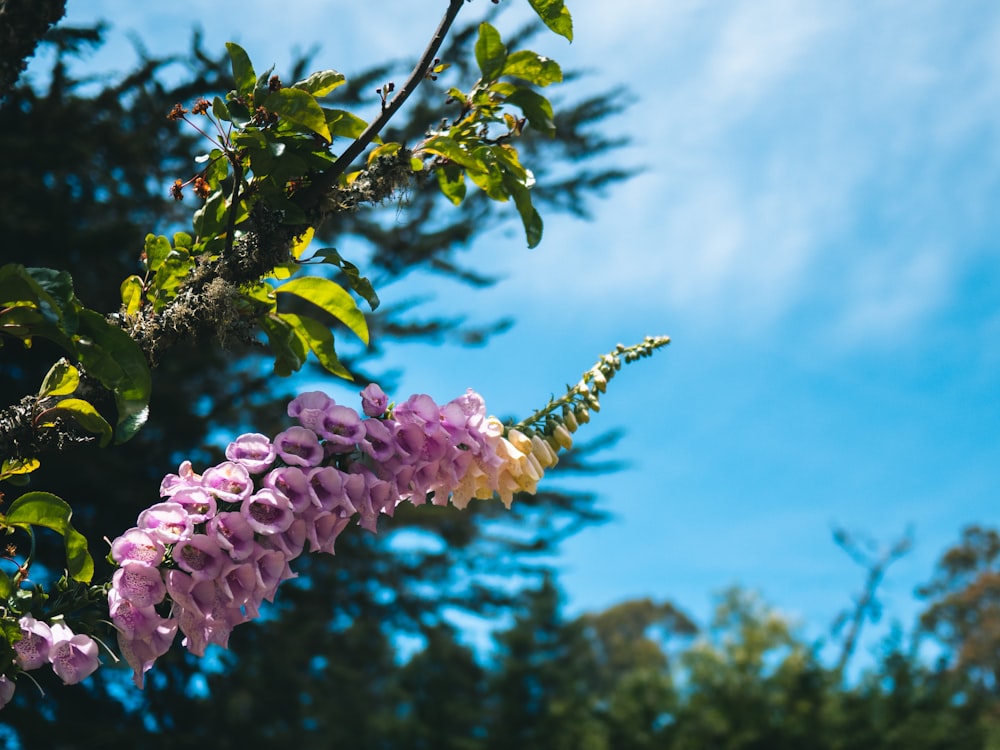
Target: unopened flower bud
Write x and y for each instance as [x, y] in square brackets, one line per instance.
[582, 415]
[543, 452]
[600, 382]
[569, 419]
[562, 436]
[519, 440]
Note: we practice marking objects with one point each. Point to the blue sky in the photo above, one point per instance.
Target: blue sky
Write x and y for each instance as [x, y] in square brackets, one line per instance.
[816, 228]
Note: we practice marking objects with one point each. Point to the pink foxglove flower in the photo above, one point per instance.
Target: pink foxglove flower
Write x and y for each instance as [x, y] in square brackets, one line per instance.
[36, 640]
[252, 450]
[141, 584]
[73, 657]
[298, 446]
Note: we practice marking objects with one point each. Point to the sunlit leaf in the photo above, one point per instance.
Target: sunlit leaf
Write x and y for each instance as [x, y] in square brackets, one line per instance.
[490, 52]
[451, 180]
[319, 338]
[536, 108]
[243, 73]
[450, 149]
[299, 107]
[85, 415]
[17, 467]
[289, 349]
[554, 15]
[302, 242]
[61, 380]
[321, 83]
[530, 217]
[532, 67]
[131, 291]
[332, 298]
[344, 124]
[48, 511]
[358, 283]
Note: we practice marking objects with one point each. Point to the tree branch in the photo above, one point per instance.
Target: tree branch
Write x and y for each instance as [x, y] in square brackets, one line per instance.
[310, 196]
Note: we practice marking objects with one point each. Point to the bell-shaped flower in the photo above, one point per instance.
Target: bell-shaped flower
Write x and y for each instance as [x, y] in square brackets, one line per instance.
[184, 478]
[73, 657]
[309, 408]
[133, 622]
[137, 545]
[139, 583]
[232, 533]
[341, 429]
[36, 640]
[167, 523]
[326, 484]
[290, 541]
[374, 402]
[418, 409]
[252, 450]
[201, 556]
[229, 481]
[199, 503]
[324, 530]
[298, 446]
[293, 483]
[267, 512]
[378, 440]
[142, 653]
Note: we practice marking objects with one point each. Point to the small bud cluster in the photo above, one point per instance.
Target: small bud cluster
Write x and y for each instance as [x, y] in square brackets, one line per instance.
[564, 415]
[219, 543]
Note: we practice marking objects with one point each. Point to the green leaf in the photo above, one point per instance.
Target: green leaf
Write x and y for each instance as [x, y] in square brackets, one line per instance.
[344, 124]
[319, 338]
[450, 149]
[386, 149]
[321, 83]
[61, 380]
[358, 283]
[17, 467]
[490, 52]
[529, 215]
[300, 243]
[536, 108]
[84, 414]
[220, 110]
[242, 69]
[299, 107]
[131, 291]
[6, 586]
[490, 179]
[46, 510]
[290, 351]
[157, 250]
[554, 15]
[451, 180]
[110, 355]
[210, 218]
[332, 298]
[533, 68]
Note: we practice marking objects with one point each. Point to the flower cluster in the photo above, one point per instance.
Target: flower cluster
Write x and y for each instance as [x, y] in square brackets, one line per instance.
[218, 545]
[72, 656]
